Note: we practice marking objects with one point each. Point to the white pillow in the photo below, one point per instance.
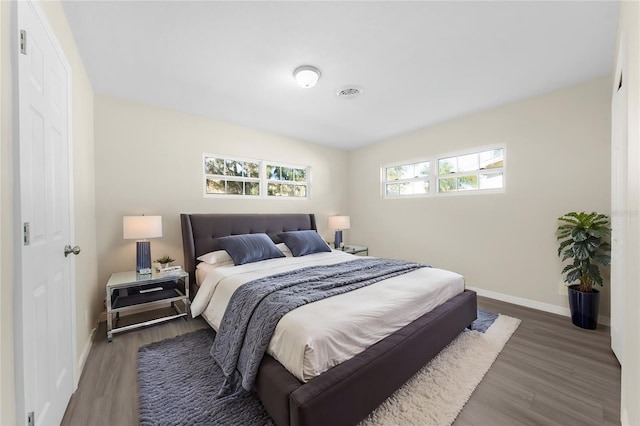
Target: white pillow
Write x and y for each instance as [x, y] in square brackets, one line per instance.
[221, 256]
[208, 267]
[284, 249]
[214, 257]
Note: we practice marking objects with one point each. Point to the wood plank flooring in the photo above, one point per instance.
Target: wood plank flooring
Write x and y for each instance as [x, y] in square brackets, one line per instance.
[107, 393]
[549, 373]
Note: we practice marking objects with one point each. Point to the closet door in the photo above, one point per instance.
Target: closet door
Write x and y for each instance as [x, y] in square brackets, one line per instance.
[619, 210]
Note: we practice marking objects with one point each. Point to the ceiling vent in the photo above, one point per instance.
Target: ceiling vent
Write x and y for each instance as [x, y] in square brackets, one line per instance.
[349, 92]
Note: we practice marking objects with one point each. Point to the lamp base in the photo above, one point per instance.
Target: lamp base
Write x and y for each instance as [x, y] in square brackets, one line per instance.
[143, 257]
[337, 242]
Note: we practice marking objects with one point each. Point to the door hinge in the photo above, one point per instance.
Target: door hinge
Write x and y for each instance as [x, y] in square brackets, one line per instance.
[23, 42]
[31, 419]
[26, 233]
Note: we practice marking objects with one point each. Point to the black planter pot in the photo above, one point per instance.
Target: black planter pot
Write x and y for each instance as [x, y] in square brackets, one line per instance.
[584, 307]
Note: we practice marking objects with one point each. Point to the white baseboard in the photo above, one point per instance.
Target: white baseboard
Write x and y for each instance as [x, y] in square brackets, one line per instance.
[546, 307]
[84, 355]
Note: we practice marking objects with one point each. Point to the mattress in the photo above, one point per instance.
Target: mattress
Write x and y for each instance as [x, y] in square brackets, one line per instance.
[315, 337]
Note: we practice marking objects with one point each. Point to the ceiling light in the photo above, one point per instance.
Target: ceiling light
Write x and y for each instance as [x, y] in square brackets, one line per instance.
[306, 76]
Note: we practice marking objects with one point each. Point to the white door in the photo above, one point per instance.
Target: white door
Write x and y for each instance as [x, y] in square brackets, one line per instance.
[619, 210]
[46, 284]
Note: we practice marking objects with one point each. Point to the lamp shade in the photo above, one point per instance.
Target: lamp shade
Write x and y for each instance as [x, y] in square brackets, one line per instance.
[141, 227]
[339, 222]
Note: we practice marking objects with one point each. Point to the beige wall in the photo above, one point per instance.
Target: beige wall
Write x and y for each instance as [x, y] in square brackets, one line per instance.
[149, 161]
[629, 27]
[86, 295]
[558, 150]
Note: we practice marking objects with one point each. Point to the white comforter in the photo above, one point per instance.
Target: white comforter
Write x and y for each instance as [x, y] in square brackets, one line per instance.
[315, 337]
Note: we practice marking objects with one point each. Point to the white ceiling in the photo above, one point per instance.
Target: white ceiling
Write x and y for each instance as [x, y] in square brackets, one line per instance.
[419, 63]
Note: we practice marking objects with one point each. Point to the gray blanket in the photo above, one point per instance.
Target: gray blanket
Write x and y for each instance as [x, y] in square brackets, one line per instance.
[256, 307]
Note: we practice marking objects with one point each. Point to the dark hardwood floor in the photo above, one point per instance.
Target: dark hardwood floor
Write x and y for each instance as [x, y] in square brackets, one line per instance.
[549, 373]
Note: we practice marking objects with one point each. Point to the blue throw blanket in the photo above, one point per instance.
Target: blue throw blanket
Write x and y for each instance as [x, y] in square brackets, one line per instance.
[256, 307]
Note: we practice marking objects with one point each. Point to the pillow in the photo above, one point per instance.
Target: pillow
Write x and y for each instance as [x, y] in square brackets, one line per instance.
[304, 242]
[208, 267]
[214, 257]
[284, 249]
[221, 256]
[249, 248]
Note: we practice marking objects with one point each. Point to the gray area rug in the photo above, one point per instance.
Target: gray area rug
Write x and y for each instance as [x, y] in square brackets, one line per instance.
[178, 383]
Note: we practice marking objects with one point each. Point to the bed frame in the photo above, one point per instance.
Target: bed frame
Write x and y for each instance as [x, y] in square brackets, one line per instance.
[348, 392]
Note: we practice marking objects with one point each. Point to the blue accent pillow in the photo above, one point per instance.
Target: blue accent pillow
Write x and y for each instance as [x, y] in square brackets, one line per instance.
[250, 248]
[304, 242]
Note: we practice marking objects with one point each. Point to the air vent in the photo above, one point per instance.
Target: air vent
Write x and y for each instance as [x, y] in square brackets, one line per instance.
[349, 92]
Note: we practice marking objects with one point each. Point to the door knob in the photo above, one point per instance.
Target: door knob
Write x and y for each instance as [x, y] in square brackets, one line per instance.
[68, 250]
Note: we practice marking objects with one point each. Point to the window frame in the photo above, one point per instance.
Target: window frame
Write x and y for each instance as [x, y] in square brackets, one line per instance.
[262, 179]
[435, 176]
[228, 178]
[305, 183]
[412, 162]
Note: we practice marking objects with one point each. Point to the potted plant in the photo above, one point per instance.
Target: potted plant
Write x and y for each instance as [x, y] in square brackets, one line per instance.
[583, 241]
[164, 261]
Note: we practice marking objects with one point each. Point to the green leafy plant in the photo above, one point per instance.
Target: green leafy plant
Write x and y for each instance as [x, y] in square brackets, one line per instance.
[583, 240]
[164, 260]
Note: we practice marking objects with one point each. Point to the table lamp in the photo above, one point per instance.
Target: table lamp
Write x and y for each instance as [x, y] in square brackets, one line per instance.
[140, 228]
[339, 223]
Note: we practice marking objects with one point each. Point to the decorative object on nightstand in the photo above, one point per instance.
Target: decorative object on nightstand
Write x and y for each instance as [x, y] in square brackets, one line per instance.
[164, 261]
[339, 223]
[140, 228]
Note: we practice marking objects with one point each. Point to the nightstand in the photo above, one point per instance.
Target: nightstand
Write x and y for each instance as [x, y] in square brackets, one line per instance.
[127, 291]
[361, 250]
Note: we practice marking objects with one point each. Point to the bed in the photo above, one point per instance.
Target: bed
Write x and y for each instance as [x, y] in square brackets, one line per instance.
[347, 392]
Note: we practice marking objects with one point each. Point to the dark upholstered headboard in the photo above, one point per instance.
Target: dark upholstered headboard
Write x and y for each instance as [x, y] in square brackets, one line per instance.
[200, 231]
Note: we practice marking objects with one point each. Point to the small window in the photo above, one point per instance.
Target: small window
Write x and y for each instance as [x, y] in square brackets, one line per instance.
[231, 176]
[470, 171]
[241, 177]
[286, 181]
[407, 179]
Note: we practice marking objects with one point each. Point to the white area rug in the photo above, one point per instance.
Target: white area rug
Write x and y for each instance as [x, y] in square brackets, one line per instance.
[436, 394]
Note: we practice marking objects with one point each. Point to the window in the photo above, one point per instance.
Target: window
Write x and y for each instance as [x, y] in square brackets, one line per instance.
[408, 179]
[231, 176]
[480, 170]
[237, 177]
[471, 172]
[285, 181]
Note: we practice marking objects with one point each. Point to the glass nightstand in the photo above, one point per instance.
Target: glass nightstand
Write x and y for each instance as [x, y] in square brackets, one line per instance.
[130, 290]
[361, 250]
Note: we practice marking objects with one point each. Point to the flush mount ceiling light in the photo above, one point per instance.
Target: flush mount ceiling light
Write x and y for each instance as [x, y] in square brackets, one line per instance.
[306, 76]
